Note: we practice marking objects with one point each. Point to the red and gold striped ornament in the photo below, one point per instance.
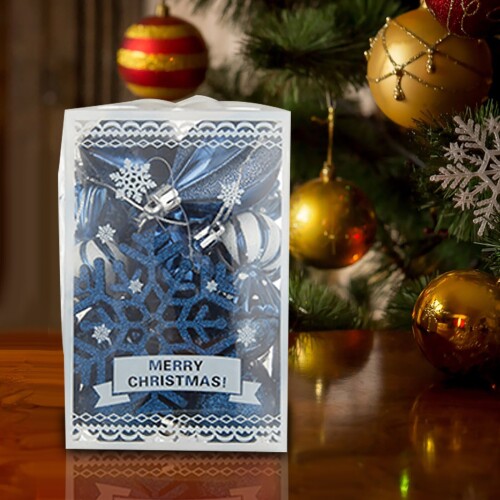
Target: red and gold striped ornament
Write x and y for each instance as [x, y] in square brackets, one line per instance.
[162, 57]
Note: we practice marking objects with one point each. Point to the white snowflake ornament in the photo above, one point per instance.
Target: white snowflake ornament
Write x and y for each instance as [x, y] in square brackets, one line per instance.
[135, 286]
[474, 171]
[133, 180]
[106, 234]
[247, 334]
[230, 194]
[101, 334]
[212, 286]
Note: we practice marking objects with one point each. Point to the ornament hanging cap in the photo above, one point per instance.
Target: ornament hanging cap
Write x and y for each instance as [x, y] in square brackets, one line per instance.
[162, 9]
[327, 172]
[328, 169]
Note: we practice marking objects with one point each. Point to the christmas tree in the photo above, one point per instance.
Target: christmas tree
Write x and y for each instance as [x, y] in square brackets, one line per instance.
[431, 171]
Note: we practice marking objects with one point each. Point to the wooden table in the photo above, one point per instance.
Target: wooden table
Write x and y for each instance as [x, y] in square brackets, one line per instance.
[369, 419]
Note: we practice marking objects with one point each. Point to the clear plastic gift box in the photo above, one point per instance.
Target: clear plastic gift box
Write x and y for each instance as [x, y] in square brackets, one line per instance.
[174, 275]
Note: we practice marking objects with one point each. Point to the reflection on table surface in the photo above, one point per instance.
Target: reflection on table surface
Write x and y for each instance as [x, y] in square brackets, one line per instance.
[186, 476]
[368, 418]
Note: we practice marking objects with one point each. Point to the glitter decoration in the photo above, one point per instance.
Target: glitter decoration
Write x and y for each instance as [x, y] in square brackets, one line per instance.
[106, 234]
[230, 194]
[133, 180]
[101, 334]
[470, 18]
[246, 334]
[173, 313]
[136, 286]
[212, 286]
[474, 170]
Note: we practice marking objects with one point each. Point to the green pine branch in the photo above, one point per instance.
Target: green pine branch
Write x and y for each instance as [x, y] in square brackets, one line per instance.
[399, 310]
[240, 12]
[317, 307]
[320, 46]
[491, 249]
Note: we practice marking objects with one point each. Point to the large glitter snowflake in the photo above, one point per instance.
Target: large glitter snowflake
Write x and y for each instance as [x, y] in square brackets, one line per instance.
[154, 301]
[474, 171]
[133, 180]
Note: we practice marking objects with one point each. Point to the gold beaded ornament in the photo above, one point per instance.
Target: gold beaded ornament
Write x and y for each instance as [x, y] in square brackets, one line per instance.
[417, 70]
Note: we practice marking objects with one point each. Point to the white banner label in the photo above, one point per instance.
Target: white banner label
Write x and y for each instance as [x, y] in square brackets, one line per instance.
[176, 373]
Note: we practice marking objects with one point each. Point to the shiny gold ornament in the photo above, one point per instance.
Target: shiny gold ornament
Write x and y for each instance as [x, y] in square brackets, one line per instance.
[417, 70]
[456, 322]
[332, 223]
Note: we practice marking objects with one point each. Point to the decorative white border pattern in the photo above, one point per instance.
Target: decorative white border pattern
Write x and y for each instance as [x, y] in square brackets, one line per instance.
[174, 428]
[114, 134]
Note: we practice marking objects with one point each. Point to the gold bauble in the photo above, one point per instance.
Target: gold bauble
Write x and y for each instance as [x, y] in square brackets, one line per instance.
[456, 322]
[417, 70]
[332, 223]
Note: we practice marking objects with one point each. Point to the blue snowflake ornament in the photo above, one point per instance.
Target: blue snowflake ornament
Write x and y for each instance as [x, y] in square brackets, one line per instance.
[157, 301]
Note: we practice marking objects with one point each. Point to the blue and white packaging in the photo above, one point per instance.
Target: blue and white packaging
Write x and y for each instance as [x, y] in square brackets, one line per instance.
[174, 275]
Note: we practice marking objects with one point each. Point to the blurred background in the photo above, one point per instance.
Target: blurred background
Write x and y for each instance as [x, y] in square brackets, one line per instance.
[55, 55]
[60, 54]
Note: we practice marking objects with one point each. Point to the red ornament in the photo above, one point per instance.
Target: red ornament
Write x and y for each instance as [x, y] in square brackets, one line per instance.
[471, 18]
[162, 57]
